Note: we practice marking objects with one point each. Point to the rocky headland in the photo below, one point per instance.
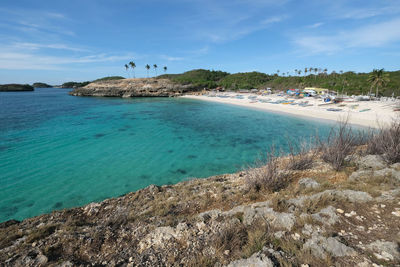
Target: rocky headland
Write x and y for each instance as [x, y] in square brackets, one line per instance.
[150, 87]
[318, 217]
[41, 85]
[15, 87]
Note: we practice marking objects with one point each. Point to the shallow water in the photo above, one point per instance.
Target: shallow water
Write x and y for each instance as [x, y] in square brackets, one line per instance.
[59, 151]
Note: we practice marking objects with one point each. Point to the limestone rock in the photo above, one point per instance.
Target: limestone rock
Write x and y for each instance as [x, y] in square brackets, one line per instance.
[256, 260]
[308, 183]
[326, 216]
[374, 162]
[133, 88]
[319, 246]
[385, 250]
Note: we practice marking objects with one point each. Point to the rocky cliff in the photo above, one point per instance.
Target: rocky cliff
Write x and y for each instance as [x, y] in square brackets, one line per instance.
[322, 217]
[133, 88]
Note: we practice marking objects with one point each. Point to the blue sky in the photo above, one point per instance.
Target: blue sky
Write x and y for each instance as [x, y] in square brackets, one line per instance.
[57, 41]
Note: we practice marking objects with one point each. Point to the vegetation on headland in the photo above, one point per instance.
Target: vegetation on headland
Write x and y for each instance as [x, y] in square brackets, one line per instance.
[81, 84]
[41, 85]
[278, 214]
[132, 65]
[15, 87]
[199, 78]
[346, 82]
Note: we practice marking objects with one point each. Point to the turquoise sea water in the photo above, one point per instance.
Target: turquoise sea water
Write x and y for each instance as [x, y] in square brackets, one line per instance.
[59, 151]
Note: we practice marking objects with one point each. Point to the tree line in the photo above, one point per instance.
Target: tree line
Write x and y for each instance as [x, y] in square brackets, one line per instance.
[132, 65]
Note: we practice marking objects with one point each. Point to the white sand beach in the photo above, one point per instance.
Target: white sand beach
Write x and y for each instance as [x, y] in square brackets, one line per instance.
[373, 113]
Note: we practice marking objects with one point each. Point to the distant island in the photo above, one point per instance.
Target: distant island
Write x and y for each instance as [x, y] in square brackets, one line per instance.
[41, 85]
[15, 87]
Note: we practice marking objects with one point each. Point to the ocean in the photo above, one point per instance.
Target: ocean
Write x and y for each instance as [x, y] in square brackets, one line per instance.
[59, 151]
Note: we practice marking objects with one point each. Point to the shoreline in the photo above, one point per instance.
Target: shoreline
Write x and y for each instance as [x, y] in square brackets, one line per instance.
[380, 113]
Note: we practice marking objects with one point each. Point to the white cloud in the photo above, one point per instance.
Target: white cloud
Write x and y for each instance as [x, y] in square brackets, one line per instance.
[37, 46]
[316, 25]
[32, 61]
[373, 35]
[274, 19]
[169, 58]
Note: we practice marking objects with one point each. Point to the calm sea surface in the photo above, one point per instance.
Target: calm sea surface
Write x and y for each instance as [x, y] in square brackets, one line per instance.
[59, 151]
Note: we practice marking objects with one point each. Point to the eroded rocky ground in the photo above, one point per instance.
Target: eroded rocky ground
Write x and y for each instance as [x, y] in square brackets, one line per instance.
[133, 88]
[323, 218]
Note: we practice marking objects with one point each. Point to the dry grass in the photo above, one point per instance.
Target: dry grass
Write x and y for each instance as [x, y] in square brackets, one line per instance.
[41, 233]
[268, 174]
[387, 143]
[301, 157]
[342, 142]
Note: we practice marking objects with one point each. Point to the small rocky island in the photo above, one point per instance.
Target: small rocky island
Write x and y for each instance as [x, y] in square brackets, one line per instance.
[15, 87]
[143, 87]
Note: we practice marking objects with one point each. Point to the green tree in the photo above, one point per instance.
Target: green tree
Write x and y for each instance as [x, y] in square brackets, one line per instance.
[378, 78]
[155, 68]
[133, 66]
[126, 68]
[147, 68]
[165, 69]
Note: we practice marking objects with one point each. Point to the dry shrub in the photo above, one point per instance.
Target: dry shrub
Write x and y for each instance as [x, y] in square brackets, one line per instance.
[267, 175]
[231, 238]
[342, 142]
[386, 142]
[301, 157]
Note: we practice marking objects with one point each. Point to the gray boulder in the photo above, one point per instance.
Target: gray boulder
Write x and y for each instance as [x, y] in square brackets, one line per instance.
[308, 183]
[320, 246]
[374, 162]
[326, 216]
[388, 251]
[256, 260]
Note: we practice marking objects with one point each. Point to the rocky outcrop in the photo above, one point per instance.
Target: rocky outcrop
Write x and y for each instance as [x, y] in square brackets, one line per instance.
[219, 222]
[15, 87]
[150, 87]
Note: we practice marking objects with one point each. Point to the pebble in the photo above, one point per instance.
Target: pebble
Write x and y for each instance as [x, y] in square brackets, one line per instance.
[296, 236]
[396, 213]
[352, 213]
[340, 211]
[383, 206]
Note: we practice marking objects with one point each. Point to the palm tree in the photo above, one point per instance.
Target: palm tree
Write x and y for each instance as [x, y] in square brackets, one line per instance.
[296, 71]
[305, 71]
[155, 68]
[165, 69]
[378, 78]
[147, 68]
[133, 66]
[278, 72]
[126, 68]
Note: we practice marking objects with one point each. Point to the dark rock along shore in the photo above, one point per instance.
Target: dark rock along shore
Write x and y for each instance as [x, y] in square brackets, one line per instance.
[150, 87]
[323, 218]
